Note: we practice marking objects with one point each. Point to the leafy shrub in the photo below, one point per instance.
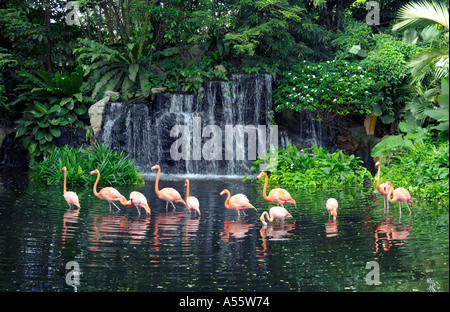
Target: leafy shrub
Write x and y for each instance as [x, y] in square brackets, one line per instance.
[315, 167]
[337, 87]
[54, 102]
[114, 69]
[417, 162]
[389, 58]
[430, 106]
[387, 62]
[354, 34]
[115, 168]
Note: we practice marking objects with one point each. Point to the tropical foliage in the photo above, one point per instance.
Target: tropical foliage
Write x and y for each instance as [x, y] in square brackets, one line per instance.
[417, 162]
[314, 167]
[114, 70]
[338, 87]
[58, 101]
[114, 167]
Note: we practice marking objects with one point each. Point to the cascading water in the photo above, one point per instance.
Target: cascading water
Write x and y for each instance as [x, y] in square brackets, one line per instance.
[220, 109]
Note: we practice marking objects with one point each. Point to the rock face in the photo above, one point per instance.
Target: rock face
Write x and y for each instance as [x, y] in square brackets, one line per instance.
[97, 110]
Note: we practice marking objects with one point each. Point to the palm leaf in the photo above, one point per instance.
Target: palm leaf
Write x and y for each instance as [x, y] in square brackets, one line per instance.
[422, 13]
[105, 79]
[426, 59]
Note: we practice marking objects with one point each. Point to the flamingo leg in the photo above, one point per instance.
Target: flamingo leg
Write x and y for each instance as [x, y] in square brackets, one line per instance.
[173, 206]
[115, 205]
[139, 210]
[409, 209]
[167, 205]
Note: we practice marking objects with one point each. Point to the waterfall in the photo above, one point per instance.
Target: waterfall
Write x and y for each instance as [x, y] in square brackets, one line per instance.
[144, 131]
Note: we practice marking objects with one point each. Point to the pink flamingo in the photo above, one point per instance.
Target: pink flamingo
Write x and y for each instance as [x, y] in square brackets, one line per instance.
[168, 194]
[237, 202]
[400, 195]
[279, 213]
[140, 201]
[191, 201]
[332, 206]
[384, 187]
[279, 196]
[70, 197]
[109, 194]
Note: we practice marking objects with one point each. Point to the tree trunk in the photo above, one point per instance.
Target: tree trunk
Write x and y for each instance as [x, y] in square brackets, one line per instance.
[48, 57]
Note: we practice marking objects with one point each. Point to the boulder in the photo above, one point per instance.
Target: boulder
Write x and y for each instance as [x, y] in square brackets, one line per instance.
[96, 111]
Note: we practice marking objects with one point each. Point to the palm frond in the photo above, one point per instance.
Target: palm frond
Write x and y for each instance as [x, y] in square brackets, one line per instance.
[422, 13]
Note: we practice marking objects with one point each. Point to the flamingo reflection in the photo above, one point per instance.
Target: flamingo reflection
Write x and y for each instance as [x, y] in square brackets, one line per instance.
[331, 228]
[107, 229]
[70, 219]
[389, 233]
[235, 228]
[191, 228]
[278, 231]
[169, 225]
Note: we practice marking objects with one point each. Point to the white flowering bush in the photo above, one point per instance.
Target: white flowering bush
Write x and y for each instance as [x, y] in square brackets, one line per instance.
[338, 87]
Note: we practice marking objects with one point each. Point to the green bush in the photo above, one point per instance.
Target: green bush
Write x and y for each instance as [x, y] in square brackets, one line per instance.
[115, 168]
[337, 87]
[420, 165]
[56, 101]
[316, 169]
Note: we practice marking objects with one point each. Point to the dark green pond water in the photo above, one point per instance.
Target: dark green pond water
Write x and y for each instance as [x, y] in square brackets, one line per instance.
[173, 251]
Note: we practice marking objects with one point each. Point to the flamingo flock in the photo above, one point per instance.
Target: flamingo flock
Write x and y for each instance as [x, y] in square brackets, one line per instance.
[237, 202]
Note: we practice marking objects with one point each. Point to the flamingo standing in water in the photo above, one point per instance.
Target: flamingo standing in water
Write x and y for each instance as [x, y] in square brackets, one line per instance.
[70, 197]
[279, 213]
[279, 196]
[109, 194]
[140, 201]
[400, 195]
[168, 194]
[384, 187]
[191, 201]
[332, 206]
[237, 202]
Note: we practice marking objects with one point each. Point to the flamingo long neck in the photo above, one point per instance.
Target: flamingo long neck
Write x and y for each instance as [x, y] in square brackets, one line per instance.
[378, 178]
[265, 186]
[95, 184]
[187, 190]
[157, 182]
[269, 217]
[395, 196]
[227, 205]
[123, 200]
[64, 185]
